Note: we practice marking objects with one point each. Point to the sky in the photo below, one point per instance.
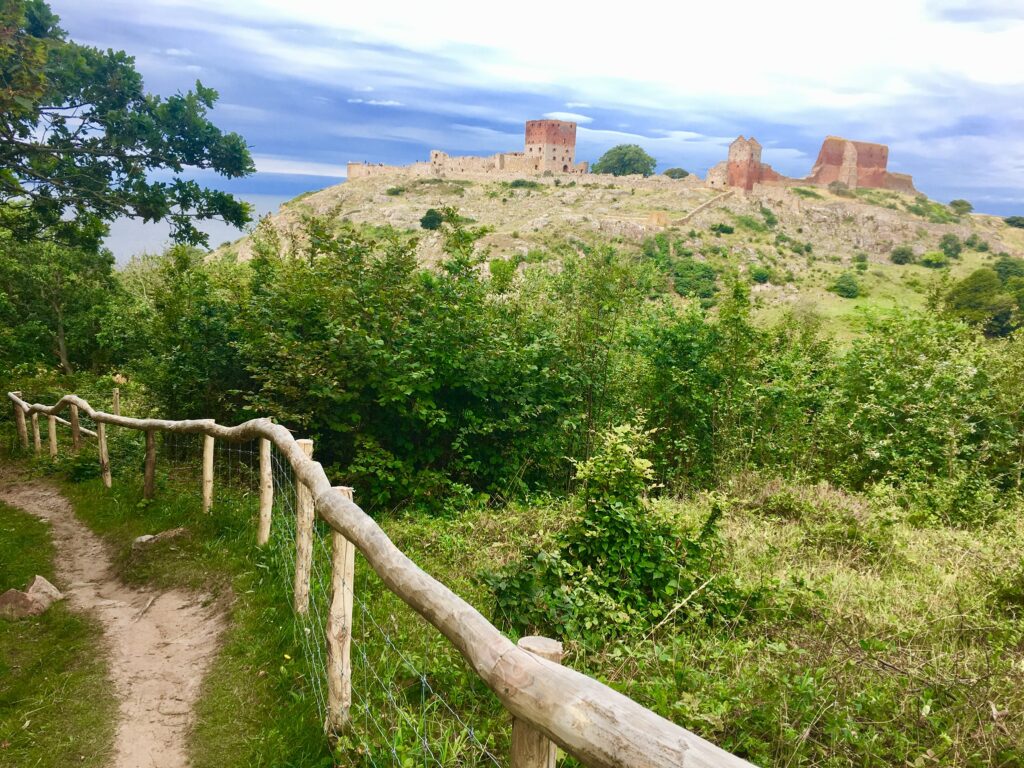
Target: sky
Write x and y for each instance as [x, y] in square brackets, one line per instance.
[312, 85]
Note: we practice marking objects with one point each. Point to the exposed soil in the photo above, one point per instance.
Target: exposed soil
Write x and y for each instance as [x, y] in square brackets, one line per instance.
[160, 642]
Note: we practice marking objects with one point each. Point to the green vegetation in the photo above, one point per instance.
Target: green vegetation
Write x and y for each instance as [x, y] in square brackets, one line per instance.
[82, 140]
[1015, 221]
[846, 285]
[759, 273]
[808, 193]
[722, 229]
[934, 260]
[676, 173]
[525, 184]
[56, 704]
[395, 191]
[960, 207]
[981, 298]
[432, 219]
[950, 245]
[625, 160]
[935, 212]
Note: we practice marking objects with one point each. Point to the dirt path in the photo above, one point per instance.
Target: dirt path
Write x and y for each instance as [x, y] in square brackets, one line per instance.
[161, 643]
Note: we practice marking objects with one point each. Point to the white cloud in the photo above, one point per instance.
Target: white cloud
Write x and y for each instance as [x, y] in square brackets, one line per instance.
[376, 102]
[577, 105]
[573, 117]
[364, 89]
[295, 167]
[180, 52]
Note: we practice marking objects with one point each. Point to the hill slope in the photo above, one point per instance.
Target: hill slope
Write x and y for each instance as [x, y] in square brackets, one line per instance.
[797, 240]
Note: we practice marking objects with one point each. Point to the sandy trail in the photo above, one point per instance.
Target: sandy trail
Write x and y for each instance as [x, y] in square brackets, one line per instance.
[161, 643]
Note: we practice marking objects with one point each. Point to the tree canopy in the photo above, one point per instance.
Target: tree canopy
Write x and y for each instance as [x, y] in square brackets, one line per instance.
[625, 160]
[81, 141]
[677, 173]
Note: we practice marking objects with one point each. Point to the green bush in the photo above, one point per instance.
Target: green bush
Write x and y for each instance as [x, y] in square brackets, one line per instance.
[976, 243]
[525, 184]
[432, 219]
[960, 207]
[395, 191]
[951, 246]
[617, 569]
[902, 254]
[722, 229]
[760, 274]
[677, 173]
[846, 285]
[1015, 221]
[935, 260]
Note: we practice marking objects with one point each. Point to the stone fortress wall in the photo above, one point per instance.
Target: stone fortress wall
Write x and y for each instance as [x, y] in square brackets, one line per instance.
[550, 146]
[550, 149]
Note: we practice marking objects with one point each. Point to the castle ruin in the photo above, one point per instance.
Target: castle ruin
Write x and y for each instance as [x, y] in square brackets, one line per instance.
[550, 147]
[743, 168]
[857, 164]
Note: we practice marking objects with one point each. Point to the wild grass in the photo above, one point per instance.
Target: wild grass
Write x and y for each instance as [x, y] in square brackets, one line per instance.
[56, 703]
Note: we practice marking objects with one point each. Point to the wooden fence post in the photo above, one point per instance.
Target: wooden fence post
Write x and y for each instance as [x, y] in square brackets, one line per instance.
[207, 472]
[304, 519]
[76, 430]
[37, 441]
[339, 629]
[19, 420]
[149, 481]
[530, 747]
[266, 493]
[116, 402]
[101, 440]
[51, 428]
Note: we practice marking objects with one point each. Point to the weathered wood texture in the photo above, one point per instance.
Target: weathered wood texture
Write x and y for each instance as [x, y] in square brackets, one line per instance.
[19, 422]
[149, 476]
[76, 430]
[339, 629]
[101, 440]
[37, 440]
[208, 448]
[115, 404]
[531, 748]
[51, 429]
[305, 516]
[266, 493]
[597, 725]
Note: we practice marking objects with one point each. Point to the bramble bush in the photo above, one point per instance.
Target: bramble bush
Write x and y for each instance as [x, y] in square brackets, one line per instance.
[617, 569]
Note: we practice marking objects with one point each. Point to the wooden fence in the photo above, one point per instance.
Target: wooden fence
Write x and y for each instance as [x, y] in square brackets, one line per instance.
[548, 702]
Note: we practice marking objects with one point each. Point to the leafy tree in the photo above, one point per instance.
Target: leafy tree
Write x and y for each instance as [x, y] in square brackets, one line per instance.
[1008, 267]
[1015, 221]
[935, 260]
[975, 242]
[677, 173]
[951, 246]
[80, 139]
[846, 285]
[980, 299]
[625, 160]
[960, 207]
[53, 298]
[760, 273]
[902, 254]
[432, 219]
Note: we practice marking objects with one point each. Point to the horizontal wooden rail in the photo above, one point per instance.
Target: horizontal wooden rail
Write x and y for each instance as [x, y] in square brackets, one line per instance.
[28, 410]
[596, 724]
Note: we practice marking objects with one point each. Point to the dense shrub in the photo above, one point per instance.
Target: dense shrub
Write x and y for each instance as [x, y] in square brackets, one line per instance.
[902, 254]
[935, 260]
[961, 207]
[677, 173]
[1015, 221]
[432, 219]
[722, 229]
[616, 569]
[950, 245]
[846, 285]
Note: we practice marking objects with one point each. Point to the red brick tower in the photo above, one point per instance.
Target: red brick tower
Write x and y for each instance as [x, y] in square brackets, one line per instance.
[551, 144]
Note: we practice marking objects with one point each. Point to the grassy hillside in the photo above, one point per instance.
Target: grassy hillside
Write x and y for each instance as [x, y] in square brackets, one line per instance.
[799, 240]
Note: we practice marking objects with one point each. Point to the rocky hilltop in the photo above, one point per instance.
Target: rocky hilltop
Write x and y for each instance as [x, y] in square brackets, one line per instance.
[802, 237]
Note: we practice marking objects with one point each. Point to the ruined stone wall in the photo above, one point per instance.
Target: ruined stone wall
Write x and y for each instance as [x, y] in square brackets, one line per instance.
[364, 170]
[857, 164]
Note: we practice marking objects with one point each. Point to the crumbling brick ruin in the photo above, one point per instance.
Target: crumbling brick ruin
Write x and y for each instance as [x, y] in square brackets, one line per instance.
[853, 163]
[857, 164]
[744, 168]
[550, 147]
